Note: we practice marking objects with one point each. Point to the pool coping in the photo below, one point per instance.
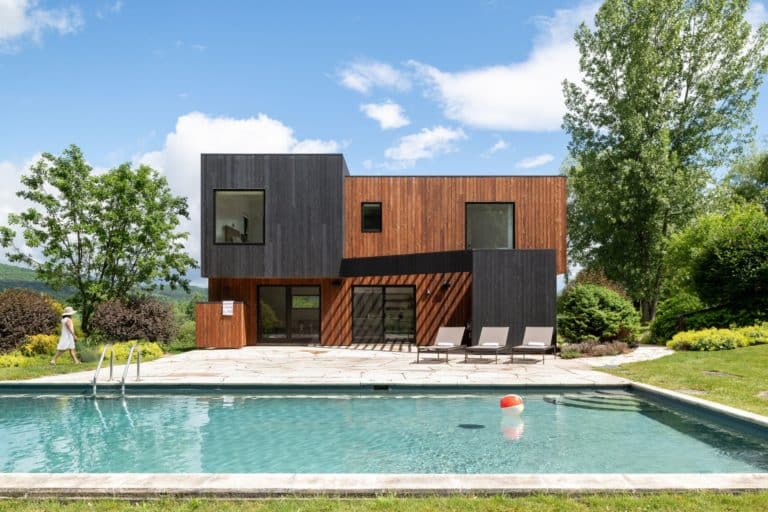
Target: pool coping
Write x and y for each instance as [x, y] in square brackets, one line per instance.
[128, 485]
[255, 485]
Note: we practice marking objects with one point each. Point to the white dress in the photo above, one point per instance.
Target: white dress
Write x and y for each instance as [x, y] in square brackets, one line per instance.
[67, 341]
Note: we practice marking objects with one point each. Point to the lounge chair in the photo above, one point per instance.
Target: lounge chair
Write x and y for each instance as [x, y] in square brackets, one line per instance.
[492, 341]
[447, 340]
[536, 340]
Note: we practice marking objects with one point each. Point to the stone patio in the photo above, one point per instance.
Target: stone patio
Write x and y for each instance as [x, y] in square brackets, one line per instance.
[327, 365]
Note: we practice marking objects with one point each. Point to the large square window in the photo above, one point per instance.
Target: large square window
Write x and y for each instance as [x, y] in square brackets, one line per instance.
[371, 217]
[239, 216]
[490, 225]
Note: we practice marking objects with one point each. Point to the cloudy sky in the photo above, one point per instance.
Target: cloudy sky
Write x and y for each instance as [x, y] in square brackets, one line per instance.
[399, 87]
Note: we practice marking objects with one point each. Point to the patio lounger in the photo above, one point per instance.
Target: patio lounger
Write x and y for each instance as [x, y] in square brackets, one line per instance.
[492, 341]
[536, 340]
[447, 340]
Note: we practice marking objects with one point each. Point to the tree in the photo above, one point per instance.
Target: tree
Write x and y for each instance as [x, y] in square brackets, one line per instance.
[667, 94]
[732, 265]
[748, 179]
[722, 258]
[105, 235]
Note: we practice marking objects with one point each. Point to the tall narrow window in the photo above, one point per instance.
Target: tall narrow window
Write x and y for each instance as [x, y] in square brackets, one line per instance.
[239, 216]
[490, 225]
[371, 217]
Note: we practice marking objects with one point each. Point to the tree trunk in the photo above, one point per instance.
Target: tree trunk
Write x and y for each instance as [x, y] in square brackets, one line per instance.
[648, 310]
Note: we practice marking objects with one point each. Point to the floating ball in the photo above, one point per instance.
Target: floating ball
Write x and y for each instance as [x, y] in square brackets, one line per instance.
[511, 404]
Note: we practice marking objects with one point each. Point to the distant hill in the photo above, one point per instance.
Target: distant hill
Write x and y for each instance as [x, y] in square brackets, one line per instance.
[12, 276]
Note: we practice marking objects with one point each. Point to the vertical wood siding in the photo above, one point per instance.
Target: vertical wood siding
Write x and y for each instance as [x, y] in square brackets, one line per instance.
[515, 289]
[426, 214]
[303, 203]
[212, 330]
[442, 306]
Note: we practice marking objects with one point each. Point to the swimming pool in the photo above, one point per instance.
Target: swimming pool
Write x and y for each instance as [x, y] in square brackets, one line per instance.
[561, 431]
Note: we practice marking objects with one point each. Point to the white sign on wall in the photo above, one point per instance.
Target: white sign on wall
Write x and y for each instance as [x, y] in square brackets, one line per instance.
[227, 307]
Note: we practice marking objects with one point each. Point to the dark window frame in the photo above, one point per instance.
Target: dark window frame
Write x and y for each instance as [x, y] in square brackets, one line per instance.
[289, 307]
[363, 204]
[467, 204]
[383, 309]
[263, 217]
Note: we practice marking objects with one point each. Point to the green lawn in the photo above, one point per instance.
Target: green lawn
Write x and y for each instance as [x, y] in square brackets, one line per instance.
[41, 368]
[698, 502]
[731, 377]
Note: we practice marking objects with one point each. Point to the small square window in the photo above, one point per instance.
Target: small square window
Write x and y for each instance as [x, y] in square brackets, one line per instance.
[371, 217]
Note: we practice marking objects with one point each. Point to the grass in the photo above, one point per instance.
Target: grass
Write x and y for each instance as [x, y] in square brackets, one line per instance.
[41, 368]
[687, 502]
[731, 377]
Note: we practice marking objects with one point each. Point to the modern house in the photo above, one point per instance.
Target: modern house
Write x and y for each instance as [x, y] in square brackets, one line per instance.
[311, 254]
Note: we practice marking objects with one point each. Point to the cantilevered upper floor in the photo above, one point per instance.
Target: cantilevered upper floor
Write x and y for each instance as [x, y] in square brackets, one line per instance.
[277, 215]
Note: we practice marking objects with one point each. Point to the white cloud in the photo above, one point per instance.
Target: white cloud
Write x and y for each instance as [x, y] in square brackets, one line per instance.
[362, 76]
[21, 19]
[428, 143]
[534, 161]
[500, 145]
[367, 165]
[756, 14]
[388, 114]
[196, 133]
[10, 173]
[522, 96]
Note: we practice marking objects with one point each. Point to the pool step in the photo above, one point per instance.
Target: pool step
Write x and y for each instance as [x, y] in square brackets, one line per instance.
[599, 401]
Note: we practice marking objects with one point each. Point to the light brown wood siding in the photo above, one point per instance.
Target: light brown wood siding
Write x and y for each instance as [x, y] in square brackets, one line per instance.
[441, 306]
[212, 330]
[426, 213]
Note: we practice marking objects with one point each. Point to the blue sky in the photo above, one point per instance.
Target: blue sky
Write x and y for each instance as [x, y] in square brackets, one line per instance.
[399, 87]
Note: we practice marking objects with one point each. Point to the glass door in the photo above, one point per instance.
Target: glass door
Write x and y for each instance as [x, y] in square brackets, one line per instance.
[289, 313]
[383, 313]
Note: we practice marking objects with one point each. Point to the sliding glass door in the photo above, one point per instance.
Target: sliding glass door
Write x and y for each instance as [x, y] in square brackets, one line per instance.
[383, 313]
[289, 313]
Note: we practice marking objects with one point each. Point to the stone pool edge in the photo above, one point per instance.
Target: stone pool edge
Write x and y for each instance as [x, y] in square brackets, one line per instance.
[130, 485]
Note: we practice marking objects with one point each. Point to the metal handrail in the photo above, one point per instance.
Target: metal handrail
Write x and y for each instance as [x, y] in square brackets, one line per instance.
[128, 365]
[108, 346]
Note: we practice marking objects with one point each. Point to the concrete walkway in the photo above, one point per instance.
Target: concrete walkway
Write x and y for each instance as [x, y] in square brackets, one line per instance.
[322, 365]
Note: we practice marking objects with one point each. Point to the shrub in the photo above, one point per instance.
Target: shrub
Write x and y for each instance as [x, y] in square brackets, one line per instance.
[149, 350]
[134, 318]
[755, 333]
[597, 277]
[24, 313]
[730, 315]
[185, 338]
[15, 361]
[708, 339]
[40, 344]
[665, 325]
[593, 349]
[588, 311]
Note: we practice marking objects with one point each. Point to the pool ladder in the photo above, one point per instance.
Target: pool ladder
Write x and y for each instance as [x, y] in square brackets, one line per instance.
[108, 347]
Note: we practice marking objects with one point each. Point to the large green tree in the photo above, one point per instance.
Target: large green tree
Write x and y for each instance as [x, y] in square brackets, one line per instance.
[667, 93]
[748, 179]
[104, 235]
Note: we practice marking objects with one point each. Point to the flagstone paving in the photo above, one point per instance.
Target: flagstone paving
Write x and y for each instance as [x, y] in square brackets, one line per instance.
[327, 365]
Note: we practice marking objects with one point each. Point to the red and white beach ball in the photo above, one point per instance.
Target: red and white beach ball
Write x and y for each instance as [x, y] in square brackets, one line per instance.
[511, 404]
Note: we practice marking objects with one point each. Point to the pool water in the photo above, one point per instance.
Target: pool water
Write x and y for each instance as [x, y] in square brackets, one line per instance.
[586, 432]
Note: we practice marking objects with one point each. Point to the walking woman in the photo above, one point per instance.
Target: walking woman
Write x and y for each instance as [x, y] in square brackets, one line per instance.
[67, 339]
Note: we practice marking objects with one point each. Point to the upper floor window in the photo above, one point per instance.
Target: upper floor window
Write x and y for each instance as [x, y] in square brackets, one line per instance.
[239, 216]
[490, 225]
[371, 217]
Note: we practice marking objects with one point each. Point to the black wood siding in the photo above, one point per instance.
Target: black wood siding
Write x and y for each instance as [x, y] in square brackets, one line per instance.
[420, 263]
[515, 288]
[304, 210]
